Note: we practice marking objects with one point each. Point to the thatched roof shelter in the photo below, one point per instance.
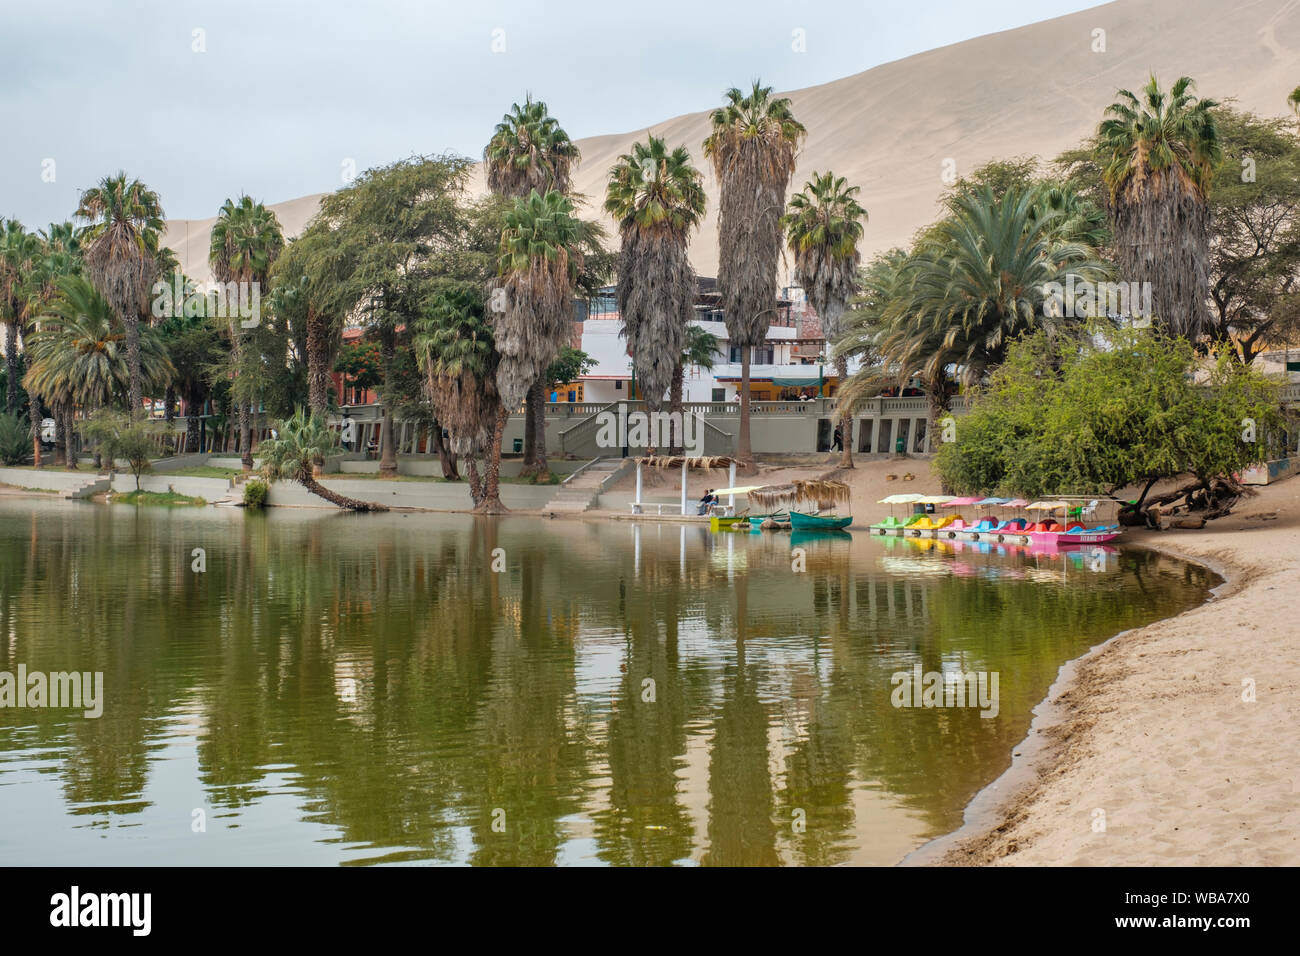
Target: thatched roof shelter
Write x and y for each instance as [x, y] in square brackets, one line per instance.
[824, 492]
[677, 461]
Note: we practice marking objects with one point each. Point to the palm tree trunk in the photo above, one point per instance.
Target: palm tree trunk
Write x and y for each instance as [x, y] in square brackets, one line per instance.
[387, 447]
[333, 497]
[846, 422]
[675, 447]
[535, 431]
[743, 452]
[246, 436]
[475, 482]
[34, 416]
[318, 374]
[490, 503]
[169, 405]
[539, 430]
[70, 436]
[11, 366]
[445, 457]
[193, 421]
[131, 323]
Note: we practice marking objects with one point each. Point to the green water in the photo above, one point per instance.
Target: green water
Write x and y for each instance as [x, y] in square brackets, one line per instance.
[339, 689]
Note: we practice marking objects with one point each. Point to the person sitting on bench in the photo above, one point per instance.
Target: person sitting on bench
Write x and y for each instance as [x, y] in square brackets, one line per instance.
[707, 502]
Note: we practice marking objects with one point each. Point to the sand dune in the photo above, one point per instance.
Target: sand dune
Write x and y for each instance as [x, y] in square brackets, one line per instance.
[1034, 90]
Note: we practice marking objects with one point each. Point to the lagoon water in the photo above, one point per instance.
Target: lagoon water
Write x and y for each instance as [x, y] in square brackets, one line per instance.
[343, 689]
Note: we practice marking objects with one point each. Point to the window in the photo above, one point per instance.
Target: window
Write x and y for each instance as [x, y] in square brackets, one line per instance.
[762, 355]
[719, 395]
[618, 385]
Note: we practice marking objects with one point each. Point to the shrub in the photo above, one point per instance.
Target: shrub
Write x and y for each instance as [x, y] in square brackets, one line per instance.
[255, 493]
[15, 440]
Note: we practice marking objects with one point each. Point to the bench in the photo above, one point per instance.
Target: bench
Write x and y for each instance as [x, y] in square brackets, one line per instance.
[659, 506]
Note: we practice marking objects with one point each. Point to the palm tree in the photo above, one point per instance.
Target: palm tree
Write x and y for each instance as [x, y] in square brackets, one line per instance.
[79, 355]
[60, 257]
[657, 198]
[454, 349]
[753, 144]
[121, 245]
[977, 280]
[20, 252]
[823, 228]
[537, 271]
[246, 241]
[700, 349]
[304, 440]
[528, 151]
[1157, 154]
[1293, 101]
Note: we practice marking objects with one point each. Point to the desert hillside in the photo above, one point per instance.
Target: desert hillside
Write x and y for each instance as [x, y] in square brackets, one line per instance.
[1033, 90]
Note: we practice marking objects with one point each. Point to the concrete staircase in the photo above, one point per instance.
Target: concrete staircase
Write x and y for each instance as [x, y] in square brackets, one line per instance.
[579, 493]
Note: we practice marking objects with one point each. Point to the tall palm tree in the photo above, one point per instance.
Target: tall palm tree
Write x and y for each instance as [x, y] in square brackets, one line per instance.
[1158, 153]
[823, 227]
[537, 271]
[699, 349]
[246, 241]
[657, 198]
[753, 144]
[528, 151]
[121, 245]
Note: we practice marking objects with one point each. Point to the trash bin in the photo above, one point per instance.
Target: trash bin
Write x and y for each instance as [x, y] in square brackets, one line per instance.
[519, 445]
[900, 444]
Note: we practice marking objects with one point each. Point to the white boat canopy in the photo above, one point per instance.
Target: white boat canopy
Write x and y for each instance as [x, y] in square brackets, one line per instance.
[900, 499]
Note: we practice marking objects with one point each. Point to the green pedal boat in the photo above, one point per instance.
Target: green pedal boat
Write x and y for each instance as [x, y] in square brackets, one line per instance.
[806, 522]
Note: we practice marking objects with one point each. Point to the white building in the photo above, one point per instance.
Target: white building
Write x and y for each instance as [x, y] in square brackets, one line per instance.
[785, 366]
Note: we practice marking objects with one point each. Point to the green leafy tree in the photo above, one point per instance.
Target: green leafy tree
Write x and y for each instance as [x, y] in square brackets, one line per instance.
[1122, 409]
[118, 438]
[395, 229]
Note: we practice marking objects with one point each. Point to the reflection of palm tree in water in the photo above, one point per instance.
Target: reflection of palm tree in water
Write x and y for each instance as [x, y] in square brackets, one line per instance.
[742, 831]
[646, 824]
[529, 759]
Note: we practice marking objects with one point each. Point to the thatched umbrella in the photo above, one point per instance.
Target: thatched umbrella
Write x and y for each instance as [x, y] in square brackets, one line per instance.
[824, 492]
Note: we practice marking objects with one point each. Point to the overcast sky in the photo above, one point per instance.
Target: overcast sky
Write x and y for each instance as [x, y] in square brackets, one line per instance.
[273, 97]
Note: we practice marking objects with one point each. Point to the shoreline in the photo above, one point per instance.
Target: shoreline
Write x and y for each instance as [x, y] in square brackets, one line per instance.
[1135, 733]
